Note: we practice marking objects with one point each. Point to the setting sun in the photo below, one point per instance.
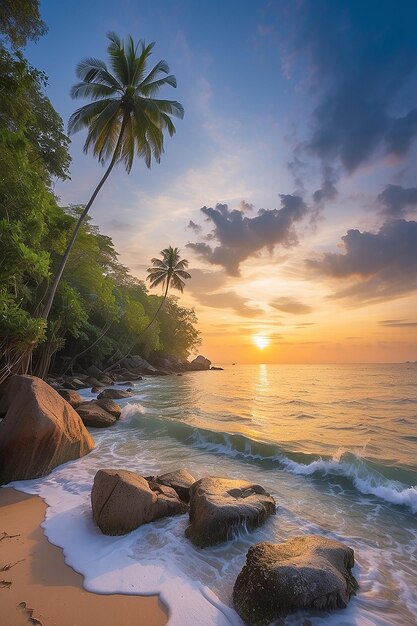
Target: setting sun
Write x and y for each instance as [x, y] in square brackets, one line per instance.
[261, 341]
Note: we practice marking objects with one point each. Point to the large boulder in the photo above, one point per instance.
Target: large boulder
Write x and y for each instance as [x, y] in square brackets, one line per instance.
[95, 416]
[40, 430]
[72, 397]
[179, 480]
[122, 501]
[114, 394]
[200, 363]
[220, 507]
[310, 572]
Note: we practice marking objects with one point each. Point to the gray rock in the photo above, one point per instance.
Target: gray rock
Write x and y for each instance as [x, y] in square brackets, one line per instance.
[122, 501]
[95, 416]
[200, 363]
[180, 480]
[310, 572]
[220, 507]
[114, 394]
[94, 371]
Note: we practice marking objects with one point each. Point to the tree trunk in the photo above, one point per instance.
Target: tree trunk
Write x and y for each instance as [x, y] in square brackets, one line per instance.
[47, 308]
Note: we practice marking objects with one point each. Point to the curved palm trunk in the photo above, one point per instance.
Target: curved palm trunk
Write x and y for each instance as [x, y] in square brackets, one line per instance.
[58, 274]
[158, 309]
[113, 365]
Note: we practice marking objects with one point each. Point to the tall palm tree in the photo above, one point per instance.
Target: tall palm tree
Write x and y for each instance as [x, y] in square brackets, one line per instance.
[123, 118]
[168, 272]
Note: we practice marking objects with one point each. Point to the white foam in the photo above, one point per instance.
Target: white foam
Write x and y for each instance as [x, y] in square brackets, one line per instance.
[144, 562]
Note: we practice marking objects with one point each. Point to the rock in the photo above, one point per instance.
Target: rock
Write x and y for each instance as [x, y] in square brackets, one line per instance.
[94, 415]
[136, 362]
[310, 572]
[122, 501]
[115, 394]
[94, 371]
[95, 389]
[109, 406]
[40, 430]
[220, 507]
[71, 396]
[93, 382]
[180, 480]
[105, 380]
[200, 363]
[219, 369]
[74, 383]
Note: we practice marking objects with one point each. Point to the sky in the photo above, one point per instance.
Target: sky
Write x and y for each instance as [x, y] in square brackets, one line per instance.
[290, 185]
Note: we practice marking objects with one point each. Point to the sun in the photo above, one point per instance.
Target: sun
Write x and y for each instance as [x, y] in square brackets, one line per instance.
[261, 341]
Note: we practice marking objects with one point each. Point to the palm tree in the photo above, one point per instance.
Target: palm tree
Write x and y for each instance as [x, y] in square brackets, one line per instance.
[123, 118]
[168, 272]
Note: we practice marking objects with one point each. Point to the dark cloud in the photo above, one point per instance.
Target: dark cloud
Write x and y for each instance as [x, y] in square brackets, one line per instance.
[240, 237]
[397, 323]
[328, 190]
[382, 265]
[289, 305]
[194, 227]
[362, 58]
[397, 200]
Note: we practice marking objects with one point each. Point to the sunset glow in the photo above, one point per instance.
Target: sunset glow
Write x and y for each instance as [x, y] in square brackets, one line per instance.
[315, 239]
[261, 341]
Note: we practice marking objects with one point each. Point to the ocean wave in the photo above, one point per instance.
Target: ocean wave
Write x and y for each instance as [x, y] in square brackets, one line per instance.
[365, 476]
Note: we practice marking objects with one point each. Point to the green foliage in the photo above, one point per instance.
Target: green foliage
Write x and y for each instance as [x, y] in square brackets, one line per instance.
[20, 21]
[100, 309]
[124, 104]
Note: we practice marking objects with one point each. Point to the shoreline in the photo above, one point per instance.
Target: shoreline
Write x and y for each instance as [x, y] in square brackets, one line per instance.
[38, 587]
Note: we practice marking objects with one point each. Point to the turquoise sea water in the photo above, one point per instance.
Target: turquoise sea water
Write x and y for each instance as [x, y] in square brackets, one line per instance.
[336, 445]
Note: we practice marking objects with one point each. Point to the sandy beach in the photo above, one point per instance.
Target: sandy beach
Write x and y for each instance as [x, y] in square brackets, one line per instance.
[38, 588]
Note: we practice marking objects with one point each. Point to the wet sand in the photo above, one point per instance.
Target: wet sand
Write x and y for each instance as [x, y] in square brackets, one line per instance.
[38, 588]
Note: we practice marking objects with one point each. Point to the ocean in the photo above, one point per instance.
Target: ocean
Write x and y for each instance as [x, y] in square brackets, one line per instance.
[336, 445]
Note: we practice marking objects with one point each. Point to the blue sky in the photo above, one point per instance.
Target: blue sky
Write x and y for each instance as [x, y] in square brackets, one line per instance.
[306, 109]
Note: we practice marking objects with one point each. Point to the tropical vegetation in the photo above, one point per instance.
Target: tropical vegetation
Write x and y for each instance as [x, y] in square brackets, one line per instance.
[99, 310]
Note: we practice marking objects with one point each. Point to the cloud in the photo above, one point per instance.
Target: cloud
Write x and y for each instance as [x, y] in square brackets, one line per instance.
[328, 190]
[397, 200]
[228, 300]
[383, 265]
[241, 237]
[119, 226]
[362, 58]
[397, 323]
[194, 227]
[204, 287]
[289, 305]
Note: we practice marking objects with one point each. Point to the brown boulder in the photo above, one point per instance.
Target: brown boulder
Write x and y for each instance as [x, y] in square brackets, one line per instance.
[220, 507]
[109, 406]
[180, 481]
[39, 431]
[115, 394]
[122, 501]
[94, 415]
[310, 572]
[72, 397]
